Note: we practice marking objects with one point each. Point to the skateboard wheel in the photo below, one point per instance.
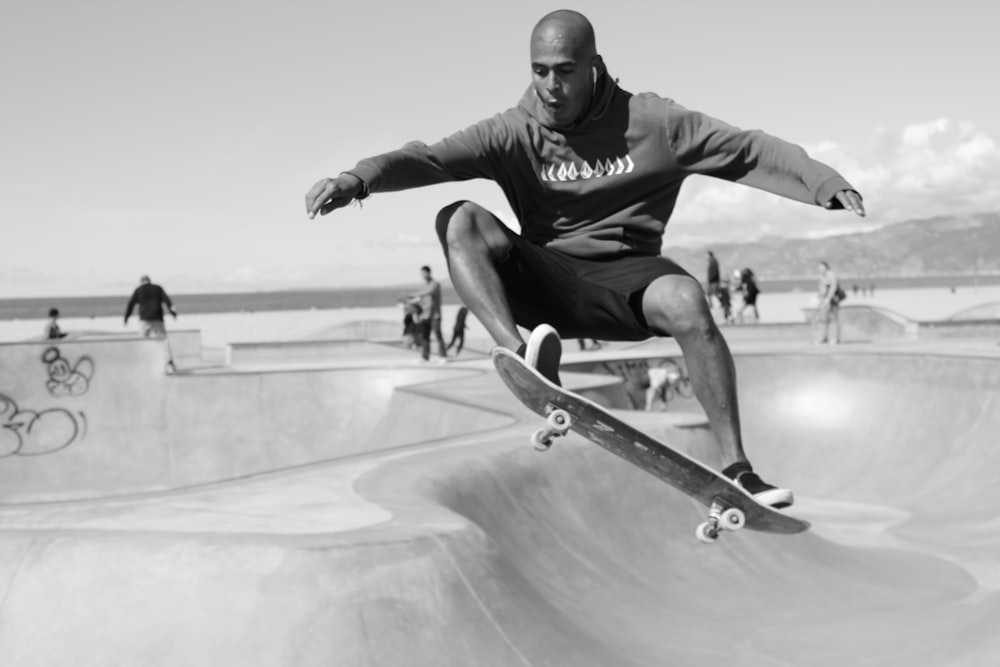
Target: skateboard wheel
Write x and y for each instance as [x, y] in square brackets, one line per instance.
[707, 532]
[541, 439]
[558, 420]
[733, 519]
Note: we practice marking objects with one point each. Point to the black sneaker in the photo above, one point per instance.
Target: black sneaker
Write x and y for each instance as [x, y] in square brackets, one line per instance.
[764, 493]
[543, 351]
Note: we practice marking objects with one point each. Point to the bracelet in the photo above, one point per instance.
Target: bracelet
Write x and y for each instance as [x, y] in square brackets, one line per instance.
[365, 193]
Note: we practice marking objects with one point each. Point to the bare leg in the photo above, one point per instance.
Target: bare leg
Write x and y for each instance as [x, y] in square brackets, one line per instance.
[473, 245]
[675, 305]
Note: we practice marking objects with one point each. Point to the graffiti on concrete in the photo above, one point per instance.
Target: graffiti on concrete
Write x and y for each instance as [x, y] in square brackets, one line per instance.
[35, 433]
[65, 378]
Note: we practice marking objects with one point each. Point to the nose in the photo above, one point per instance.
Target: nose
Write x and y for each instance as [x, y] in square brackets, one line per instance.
[552, 82]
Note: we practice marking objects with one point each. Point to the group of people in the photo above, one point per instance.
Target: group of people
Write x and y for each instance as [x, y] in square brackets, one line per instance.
[829, 296]
[151, 300]
[422, 319]
[744, 283]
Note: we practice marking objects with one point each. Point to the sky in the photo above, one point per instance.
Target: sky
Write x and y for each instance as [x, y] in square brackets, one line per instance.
[177, 139]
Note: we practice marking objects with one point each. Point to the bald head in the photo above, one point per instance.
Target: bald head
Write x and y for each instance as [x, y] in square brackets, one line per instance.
[568, 29]
[565, 66]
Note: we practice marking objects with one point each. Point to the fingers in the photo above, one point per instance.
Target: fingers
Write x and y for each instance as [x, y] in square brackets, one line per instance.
[319, 196]
[854, 203]
[850, 201]
[330, 194]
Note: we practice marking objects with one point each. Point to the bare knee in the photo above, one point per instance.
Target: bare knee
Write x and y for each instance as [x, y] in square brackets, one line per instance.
[465, 225]
[676, 306]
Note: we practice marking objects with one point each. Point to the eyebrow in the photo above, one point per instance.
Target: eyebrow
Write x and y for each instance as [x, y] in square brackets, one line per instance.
[561, 63]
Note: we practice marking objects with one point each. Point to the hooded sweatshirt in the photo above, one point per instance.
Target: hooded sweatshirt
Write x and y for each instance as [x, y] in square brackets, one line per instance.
[607, 185]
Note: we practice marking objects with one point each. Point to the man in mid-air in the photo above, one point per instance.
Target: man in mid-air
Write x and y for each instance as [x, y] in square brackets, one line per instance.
[592, 173]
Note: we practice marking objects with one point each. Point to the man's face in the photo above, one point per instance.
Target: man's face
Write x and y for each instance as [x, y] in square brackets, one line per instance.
[561, 77]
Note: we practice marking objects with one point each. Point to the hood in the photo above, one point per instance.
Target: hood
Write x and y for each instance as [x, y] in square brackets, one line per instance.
[606, 87]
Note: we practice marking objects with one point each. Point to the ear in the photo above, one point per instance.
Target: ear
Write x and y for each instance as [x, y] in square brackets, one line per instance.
[597, 67]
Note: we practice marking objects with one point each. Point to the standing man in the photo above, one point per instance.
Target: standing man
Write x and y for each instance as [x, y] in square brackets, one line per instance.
[828, 310]
[592, 173]
[430, 299]
[151, 299]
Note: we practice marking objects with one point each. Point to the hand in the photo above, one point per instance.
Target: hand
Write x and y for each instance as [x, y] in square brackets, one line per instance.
[174, 313]
[850, 201]
[332, 193]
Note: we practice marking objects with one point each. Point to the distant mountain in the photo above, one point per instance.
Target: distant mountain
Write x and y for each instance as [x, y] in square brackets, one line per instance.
[943, 246]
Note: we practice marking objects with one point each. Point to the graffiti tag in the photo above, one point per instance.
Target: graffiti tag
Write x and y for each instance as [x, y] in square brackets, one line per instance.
[35, 433]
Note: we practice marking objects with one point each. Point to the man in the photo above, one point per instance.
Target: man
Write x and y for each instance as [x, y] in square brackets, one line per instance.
[828, 310]
[151, 298]
[592, 173]
[713, 278]
[430, 301]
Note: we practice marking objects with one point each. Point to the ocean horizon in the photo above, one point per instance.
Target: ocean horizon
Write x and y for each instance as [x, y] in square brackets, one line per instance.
[385, 296]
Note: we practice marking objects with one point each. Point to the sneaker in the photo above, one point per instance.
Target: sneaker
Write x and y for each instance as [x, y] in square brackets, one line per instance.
[764, 493]
[543, 352]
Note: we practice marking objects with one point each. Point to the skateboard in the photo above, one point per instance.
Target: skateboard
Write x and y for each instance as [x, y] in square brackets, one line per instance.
[729, 506]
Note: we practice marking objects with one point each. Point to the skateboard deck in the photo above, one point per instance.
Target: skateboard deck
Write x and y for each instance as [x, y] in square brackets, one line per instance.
[730, 507]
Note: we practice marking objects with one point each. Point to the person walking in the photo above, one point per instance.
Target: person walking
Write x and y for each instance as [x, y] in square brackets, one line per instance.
[151, 300]
[749, 289]
[830, 295]
[592, 173]
[712, 282]
[458, 332]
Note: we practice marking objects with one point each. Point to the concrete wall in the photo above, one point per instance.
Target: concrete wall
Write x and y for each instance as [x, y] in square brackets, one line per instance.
[94, 418]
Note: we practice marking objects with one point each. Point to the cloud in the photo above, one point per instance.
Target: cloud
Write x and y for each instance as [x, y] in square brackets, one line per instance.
[922, 170]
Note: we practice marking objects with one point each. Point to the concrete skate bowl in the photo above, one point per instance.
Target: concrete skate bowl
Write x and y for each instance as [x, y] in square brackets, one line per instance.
[986, 311]
[134, 429]
[575, 558]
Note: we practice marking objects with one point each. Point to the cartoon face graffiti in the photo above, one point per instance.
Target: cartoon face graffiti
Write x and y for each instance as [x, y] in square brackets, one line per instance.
[66, 379]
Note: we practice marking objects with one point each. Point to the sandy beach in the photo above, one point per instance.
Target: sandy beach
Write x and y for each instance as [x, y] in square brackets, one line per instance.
[217, 330]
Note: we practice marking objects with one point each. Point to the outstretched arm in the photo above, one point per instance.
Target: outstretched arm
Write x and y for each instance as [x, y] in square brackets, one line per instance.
[471, 153]
[131, 304]
[705, 145]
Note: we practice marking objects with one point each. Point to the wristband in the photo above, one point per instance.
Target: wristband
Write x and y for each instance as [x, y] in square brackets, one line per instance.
[365, 193]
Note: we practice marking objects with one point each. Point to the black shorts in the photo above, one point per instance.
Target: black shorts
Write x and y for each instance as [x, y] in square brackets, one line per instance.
[581, 298]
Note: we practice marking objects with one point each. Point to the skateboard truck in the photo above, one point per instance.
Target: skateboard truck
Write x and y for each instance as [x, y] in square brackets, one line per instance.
[558, 422]
[720, 518]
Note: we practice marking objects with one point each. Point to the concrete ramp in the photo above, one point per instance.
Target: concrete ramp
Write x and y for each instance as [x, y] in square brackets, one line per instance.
[103, 418]
[472, 549]
[893, 458]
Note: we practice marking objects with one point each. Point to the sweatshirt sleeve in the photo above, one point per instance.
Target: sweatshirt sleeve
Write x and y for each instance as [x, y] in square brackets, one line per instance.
[471, 153]
[166, 299]
[131, 304]
[707, 146]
